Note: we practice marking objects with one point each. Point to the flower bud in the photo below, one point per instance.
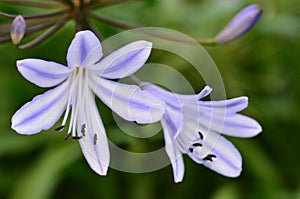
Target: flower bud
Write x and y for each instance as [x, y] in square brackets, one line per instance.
[240, 24]
[17, 29]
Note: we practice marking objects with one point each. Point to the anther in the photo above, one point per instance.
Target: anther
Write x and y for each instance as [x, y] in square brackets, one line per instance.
[76, 137]
[201, 135]
[209, 157]
[95, 139]
[191, 150]
[83, 129]
[67, 136]
[197, 144]
[60, 128]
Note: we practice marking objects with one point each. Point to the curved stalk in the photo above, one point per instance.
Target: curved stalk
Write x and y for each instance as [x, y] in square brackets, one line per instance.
[36, 4]
[127, 26]
[46, 34]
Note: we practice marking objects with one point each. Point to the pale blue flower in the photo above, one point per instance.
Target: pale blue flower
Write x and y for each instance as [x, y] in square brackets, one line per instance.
[75, 85]
[240, 24]
[194, 127]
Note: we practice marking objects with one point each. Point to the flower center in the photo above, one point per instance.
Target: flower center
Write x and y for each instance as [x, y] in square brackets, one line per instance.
[197, 144]
[76, 103]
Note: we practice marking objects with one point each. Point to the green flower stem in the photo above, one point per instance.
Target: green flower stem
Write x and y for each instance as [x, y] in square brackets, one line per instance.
[120, 24]
[46, 34]
[106, 3]
[34, 16]
[36, 4]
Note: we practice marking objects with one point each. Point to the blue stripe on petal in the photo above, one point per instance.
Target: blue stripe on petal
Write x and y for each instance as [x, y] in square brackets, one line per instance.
[43, 73]
[228, 161]
[172, 99]
[124, 61]
[84, 50]
[234, 125]
[225, 106]
[129, 101]
[94, 144]
[42, 112]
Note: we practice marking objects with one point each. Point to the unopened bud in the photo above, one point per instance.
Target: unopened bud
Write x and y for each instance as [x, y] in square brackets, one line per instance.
[17, 29]
[240, 24]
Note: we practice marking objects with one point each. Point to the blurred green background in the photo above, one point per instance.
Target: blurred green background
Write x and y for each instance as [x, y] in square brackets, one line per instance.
[263, 65]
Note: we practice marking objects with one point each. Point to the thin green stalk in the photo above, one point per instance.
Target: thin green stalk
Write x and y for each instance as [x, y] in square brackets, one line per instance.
[127, 26]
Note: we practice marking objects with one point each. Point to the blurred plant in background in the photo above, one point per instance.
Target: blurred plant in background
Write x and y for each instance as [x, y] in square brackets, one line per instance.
[262, 65]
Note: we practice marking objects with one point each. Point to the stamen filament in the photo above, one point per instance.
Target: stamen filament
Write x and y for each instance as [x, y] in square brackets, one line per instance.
[82, 107]
[67, 136]
[69, 99]
[78, 96]
[73, 95]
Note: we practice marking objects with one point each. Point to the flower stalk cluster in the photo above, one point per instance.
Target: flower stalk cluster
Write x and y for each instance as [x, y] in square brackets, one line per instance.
[82, 11]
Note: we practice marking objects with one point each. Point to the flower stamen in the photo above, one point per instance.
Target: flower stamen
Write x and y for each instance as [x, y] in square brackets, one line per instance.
[75, 101]
[83, 127]
[76, 137]
[197, 144]
[95, 139]
[67, 136]
[201, 135]
[60, 128]
[209, 157]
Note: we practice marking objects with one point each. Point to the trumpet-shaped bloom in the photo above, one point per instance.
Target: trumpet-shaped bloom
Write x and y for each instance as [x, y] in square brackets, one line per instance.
[76, 83]
[194, 127]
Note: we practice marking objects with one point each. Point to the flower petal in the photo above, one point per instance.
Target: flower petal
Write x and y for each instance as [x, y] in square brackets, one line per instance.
[42, 73]
[172, 99]
[85, 50]
[219, 117]
[204, 92]
[230, 123]
[129, 101]
[173, 120]
[218, 154]
[94, 144]
[225, 106]
[173, 152]
[42, 112]
[124, 61]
